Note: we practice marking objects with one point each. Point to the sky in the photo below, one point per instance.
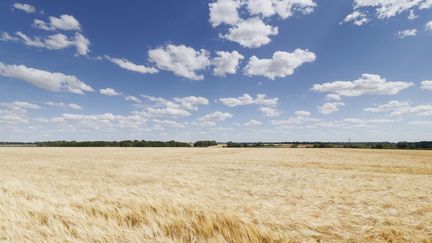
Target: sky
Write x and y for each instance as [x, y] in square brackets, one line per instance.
[225, 70]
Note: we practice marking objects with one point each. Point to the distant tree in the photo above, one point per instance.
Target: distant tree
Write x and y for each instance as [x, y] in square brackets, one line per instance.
[205, 143]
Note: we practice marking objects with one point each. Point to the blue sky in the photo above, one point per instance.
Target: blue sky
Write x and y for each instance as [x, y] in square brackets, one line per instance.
[251, 70]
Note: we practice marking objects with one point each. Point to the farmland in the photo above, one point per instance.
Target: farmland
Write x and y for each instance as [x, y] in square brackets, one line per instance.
[215, 195]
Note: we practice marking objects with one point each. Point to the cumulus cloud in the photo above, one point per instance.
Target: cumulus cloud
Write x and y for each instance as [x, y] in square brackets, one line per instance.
[169, 123]
[385, 9]
[358, 18]
[109, 92]
[191, 102]
[24, 7]
[310, 122]
[251, 33]
[246, 99]
[302, 113]
[105, 122]
[252, 123]
[226, 63]
[426, 85]
[212, 118]
[16, 112]
[282, 64]
[300, 118]
[177, 107]
[52, 42]
[406, 33]
[57, 82]
[332, 97]
[128, 65]
[355, 122]
[366, 85]
[270, 111]
[330, 107]
[266, 104]
[63, 105]
[20, 106]
[402, 108]
[82, 44]
[64, 22]
[182, 60]
[283, 8]
[224, 12]
[133, 99]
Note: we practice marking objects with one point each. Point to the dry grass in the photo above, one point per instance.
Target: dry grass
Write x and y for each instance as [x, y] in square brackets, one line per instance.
[214, 195]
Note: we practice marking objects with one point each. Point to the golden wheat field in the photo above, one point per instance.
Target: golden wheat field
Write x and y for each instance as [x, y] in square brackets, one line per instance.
[214, 195]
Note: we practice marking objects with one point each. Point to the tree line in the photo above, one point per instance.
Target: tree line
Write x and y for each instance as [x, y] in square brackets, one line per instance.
[377, 145]
[125, 143]
[207, 143]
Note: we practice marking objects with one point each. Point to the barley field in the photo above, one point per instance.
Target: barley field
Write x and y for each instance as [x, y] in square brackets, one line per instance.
[214, 195]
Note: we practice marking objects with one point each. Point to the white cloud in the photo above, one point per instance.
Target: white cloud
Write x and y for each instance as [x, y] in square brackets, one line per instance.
[428, 26]
[355, 122]
[53, 42]
[63, 105]
[109, 92]
[329, 107]
[252, 123]
[126, 64]
[177, 107]
[367, 84]
[64, 22]
[358, 18]
[7, 37]
[267, 104]
[251, 33]
[167, 111]
[224, 12]
[282, 64]
[57, 82]
[426, 85]
[24, 7]
[133, 99]
[303, 113]
[104, 122]
[311, 123]
[385, 9]
[398, 108]
[182, 60]
[213, 118]
[20, 106]
[226, 63]
[390, 8]
[302, 117]
[191, 102]
[16, 112]
[82, 44]
[332, 97]
[270, 111]
[406, 33]
[246, 99]
[283, 8]
[169, 123]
